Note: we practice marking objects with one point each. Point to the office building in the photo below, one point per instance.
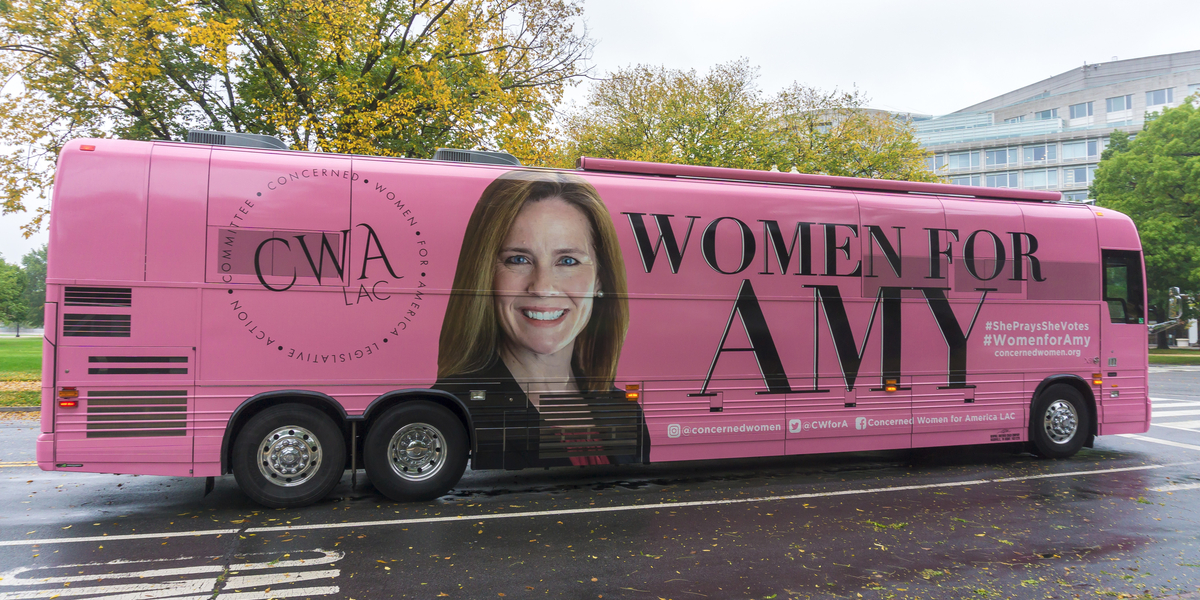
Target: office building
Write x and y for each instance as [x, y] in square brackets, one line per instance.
[1049, 135]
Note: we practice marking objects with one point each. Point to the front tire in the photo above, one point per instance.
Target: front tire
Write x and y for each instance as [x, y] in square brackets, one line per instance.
[1058, 425]
[415, 451]
[288, 456]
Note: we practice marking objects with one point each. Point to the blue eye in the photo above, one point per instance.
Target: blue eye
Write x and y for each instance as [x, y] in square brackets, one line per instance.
[518, 260]
[569, 261]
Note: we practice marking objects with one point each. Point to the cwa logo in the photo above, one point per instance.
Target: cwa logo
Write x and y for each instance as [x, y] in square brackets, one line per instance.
[673, 430]
[860, 423]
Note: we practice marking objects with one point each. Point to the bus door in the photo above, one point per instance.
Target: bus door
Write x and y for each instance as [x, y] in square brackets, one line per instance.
[1124, 346]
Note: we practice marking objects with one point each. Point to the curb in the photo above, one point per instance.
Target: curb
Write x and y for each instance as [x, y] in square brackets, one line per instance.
[4, 409]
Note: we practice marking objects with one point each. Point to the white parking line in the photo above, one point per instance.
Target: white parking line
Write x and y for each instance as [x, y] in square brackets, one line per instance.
[1176, 488]
[1186, 401]
[1159, 441]
[1174, 413]
[1184, 425]
[282, 578]
[595, 509]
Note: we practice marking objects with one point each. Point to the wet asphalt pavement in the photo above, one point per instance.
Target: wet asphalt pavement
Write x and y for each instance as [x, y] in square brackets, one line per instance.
[1118, 520]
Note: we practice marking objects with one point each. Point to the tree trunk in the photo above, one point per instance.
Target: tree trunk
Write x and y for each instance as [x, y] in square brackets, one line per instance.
[1162, 341]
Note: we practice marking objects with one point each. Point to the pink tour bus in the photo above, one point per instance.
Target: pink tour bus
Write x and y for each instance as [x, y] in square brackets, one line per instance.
[215, 308]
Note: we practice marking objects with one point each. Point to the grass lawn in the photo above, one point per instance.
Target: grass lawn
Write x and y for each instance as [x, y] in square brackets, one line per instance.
[21, 358]
[1174, 357]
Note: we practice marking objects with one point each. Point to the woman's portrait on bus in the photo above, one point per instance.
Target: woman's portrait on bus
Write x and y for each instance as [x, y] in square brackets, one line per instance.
[535, 324]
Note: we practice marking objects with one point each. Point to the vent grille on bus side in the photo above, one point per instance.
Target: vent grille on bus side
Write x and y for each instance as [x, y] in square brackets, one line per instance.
[80, 325]
[597, 424]
[128, 370]
[98, 296]
[140, 413]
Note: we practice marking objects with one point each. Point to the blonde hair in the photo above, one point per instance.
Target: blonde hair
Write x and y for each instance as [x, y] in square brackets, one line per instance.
[471, 333]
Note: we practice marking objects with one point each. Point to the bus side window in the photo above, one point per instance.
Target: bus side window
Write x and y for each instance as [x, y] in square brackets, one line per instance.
[1123, 286]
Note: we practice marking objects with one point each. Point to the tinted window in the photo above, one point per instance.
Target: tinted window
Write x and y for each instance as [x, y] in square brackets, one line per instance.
[1123, 286]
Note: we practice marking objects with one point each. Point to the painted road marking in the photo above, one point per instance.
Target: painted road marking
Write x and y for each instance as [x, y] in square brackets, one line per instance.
[1159, 441]
[593, 509]
[1184, 425]
[161, 578]
[1176, 488]
[27, 463]
[1174, 413]
[1187, 401]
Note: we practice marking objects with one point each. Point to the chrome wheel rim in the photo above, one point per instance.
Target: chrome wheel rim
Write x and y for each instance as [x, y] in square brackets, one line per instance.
[289, 456]
[1060, 422]
[417, 452]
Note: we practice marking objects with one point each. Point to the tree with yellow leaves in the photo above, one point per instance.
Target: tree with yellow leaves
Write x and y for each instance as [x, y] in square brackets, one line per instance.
[379, 77]
[722, 119]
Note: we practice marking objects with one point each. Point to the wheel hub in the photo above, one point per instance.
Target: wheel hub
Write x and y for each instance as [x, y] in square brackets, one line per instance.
[1061, 422]
[417, 451]
[289, 456]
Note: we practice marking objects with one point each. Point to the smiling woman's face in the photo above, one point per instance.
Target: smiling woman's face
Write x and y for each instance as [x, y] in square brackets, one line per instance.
[546, 275]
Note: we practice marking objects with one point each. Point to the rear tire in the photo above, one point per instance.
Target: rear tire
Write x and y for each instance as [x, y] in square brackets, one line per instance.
[415, 451]
[288, 456]
[1058, 425]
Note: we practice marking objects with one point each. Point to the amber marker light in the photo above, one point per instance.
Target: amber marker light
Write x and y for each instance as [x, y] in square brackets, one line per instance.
[631, 392]
[1096, 379]
[87, 147]
[68, 392]
[890, 386]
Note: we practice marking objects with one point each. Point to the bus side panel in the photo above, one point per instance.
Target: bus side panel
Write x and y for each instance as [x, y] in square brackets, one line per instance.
[982, 401]
[178, 197]
[99, 228]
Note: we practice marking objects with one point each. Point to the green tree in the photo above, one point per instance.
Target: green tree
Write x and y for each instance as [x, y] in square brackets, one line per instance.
[723, 119]
[833, 133]
[33, 264]
[353, 76]
[666, 115]
[1155, 179]
[14, 309]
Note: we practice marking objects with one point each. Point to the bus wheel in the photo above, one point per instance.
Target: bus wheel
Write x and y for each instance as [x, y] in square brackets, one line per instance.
[1059, 422]
[289, 455]
[415, 451]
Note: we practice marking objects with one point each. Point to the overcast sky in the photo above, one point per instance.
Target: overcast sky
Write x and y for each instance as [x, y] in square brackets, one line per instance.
[918, 56]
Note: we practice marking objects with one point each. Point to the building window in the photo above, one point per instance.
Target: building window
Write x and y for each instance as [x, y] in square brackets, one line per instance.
[1193, 88]
[1041, 179]
[964, 160]
[1036, 154]
[1002, 180]
[1076, 176]
[1015, 119]
[1083, 109]
[1046, 114]
[1080, 150]
[1159, 97]
[1002, 156]
[965, 180]
[1075, 196]
[1122, 103]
